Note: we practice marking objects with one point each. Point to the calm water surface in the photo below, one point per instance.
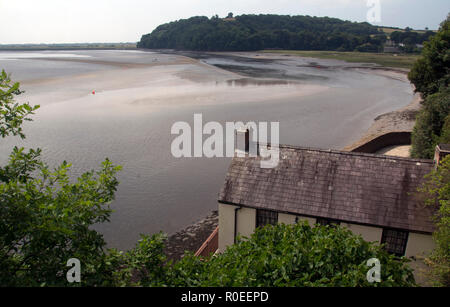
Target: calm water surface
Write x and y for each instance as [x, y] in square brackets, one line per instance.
[139, 95]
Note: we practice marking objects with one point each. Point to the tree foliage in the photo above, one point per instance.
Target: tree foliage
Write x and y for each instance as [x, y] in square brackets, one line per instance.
[283, 256]
[12, 115]
[45, 217]
[437, 192]
[431, 76]
[256, 32]
[430, 129]
[431, 72]
[410, 38]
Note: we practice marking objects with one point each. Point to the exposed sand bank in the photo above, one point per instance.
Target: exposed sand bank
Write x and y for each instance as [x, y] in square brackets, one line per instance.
[170, 82]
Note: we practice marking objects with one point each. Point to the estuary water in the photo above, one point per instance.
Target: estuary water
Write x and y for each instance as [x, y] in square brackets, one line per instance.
[122, 105]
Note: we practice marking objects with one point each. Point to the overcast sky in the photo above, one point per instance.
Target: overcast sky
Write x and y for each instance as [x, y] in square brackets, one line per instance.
[66, 21]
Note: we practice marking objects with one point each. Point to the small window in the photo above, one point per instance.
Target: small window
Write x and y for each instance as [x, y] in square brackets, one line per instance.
[395, 241]
[328, 222]
[265, 217]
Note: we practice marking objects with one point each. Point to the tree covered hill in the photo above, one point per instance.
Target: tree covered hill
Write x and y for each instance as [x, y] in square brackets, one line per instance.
[256, 32]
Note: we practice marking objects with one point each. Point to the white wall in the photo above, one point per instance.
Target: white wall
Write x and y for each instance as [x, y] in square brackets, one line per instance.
[369, 234]
[419, 245]
[226, 226]
[286, 218]
[246, 220]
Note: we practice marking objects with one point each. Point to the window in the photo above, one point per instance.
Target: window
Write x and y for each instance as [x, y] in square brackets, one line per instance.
[328, 222]
[264, 217]
[395, 241]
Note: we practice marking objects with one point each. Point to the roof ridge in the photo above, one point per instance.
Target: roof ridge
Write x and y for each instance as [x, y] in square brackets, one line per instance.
[361, 154]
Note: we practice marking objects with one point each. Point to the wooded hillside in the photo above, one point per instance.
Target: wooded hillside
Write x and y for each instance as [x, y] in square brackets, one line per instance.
[256, 32]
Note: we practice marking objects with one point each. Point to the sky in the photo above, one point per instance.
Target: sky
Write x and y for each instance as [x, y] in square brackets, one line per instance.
[88, 21]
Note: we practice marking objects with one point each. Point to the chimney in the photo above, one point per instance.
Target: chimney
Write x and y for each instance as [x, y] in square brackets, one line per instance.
[242, 142]
[442, 150]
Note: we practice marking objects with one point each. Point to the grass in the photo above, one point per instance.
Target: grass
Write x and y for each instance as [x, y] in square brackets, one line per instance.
[382, 59]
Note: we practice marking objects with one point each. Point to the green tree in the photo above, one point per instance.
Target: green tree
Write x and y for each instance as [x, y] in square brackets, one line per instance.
[431, 75]
[428, 131]
[254, 32]
[431, 72]
[445, 133]
[45, 217]
[12, 114]
[437, 194]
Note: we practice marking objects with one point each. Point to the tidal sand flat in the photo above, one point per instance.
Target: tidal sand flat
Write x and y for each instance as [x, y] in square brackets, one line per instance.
[122, 104]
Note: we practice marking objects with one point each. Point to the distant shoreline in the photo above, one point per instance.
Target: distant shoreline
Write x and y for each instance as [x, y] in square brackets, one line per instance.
[68, 47]
[64, 49]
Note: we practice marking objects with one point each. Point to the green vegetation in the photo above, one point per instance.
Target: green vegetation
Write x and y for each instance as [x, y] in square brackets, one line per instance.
[409, 39]
[45, 217]
[430, 129]
[383, 59]
[275, 256]
[437, 193]
[406, 39]
[431, 76]
[257, 32]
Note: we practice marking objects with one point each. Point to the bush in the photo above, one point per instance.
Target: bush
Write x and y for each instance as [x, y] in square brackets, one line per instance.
[289, 256]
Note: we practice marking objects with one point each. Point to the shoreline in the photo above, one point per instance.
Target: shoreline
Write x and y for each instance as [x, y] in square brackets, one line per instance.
[401, 120]
[191, 237]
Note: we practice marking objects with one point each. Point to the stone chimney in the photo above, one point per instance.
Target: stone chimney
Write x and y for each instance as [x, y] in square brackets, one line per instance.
[242, 142]
[442, 150]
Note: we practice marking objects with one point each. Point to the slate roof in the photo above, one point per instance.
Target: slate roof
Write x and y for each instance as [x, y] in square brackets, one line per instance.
[351, 187]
